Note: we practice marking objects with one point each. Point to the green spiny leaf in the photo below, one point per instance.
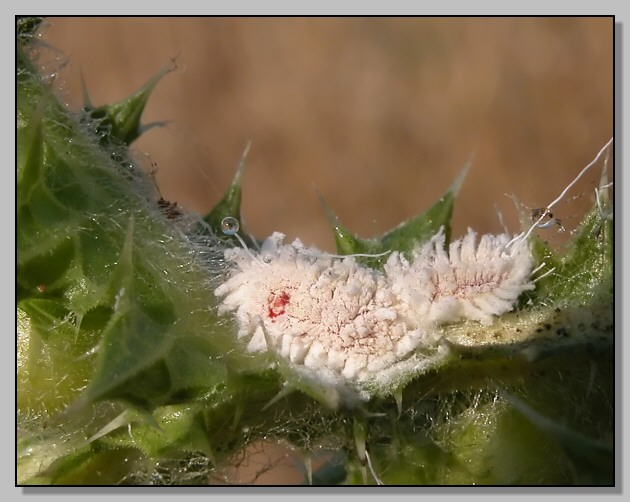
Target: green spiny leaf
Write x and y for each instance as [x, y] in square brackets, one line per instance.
[169, 429]
[405, 237]
[421, 228]
[148, 321]
[585, 270]
[30, 163]
[230, 207]
[132, 341]
[120, 122]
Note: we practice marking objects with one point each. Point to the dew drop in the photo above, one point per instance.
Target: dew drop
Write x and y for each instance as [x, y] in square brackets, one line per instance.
[229, 225]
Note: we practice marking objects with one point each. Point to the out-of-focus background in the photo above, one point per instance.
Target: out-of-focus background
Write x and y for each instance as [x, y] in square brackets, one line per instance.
[377, 114]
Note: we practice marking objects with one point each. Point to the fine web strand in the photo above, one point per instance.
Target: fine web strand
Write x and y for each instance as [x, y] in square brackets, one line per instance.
[522, 237]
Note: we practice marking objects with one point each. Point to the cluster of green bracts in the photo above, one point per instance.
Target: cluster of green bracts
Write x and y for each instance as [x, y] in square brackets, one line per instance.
[126, 374]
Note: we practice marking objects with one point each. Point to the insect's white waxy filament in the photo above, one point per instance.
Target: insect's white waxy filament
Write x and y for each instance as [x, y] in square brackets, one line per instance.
[333, 315]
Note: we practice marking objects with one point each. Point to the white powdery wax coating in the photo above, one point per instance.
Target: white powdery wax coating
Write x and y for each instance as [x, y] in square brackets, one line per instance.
[332, 315]
[317, 311]
[469, 281]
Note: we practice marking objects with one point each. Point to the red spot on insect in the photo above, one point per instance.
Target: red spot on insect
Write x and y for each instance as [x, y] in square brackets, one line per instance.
[41, 288]
[277, 302]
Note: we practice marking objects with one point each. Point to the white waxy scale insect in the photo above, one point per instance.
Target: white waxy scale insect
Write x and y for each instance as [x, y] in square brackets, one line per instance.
[334, 316]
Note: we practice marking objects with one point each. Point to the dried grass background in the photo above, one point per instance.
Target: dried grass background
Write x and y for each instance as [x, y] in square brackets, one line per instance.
[378, 114]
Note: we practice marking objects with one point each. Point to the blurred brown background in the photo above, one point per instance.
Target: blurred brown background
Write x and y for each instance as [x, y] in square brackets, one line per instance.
[378, 114]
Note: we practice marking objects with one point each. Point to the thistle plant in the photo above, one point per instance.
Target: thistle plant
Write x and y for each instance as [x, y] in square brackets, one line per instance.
[154, 346]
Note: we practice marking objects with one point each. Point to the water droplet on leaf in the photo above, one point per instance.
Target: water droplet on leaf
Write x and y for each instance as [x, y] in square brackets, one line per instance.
[229, 225]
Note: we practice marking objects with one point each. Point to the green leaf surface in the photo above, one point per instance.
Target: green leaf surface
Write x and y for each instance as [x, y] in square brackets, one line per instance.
[120, 122]
[405, 237]
[593, 462]
[126, 374]
[230, 207]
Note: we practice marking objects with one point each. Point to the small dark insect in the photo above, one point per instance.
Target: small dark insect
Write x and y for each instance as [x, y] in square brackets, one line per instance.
[170, 209]
[539, 212]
